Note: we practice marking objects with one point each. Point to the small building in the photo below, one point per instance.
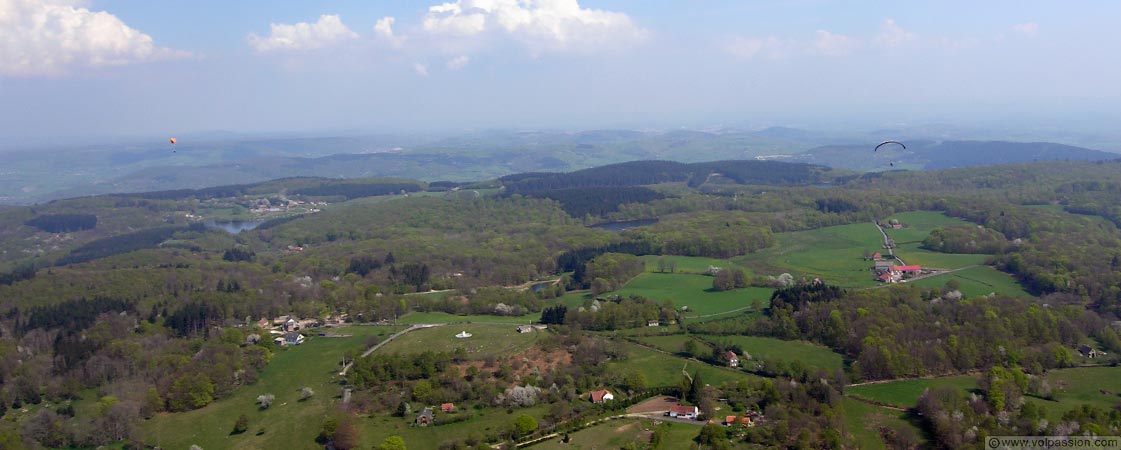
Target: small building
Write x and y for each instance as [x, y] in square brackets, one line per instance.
[522, 329]
[447, 408]
[653, 323]
[729, 421]
[1087, 351]
[601, 396]
[291, 325]
[425, 418]
[293, 338]
[463, 335]
[886, 277]
[877, 256]
[684, 412]
[263, 323]
[733, 360]
[882, 266]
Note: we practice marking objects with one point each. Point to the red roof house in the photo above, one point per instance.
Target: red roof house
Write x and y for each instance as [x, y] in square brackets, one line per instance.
[906, 269]
[601, 396]
[686, 412]
[447, 407]
[877, 256]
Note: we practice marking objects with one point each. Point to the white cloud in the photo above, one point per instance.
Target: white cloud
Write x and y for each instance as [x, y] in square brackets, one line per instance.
[834, 44]
[458, 62]
[420, 69]
[892, 35]
[538, 24]
[50, 37]
[384, 29]
[1026, 29]
[327, 31]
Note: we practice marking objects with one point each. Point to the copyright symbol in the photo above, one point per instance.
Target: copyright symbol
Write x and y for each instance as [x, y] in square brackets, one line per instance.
[994, 442]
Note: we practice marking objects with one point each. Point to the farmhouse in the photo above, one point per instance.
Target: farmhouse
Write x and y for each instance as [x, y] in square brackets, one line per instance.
[1087, 351]
[447, 408]
[425, 418]
[601, 396]
[877, 256]
[293, 338]
[291, 325]
[883, 266]
[684, 412]
[733, 360]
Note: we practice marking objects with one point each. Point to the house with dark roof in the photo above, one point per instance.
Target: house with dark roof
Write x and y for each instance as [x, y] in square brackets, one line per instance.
[293, 338]
[425, 418]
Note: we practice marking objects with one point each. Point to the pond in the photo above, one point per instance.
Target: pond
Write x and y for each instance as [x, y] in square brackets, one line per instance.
[235, 226]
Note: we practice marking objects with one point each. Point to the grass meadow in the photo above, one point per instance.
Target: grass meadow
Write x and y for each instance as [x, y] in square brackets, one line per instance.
[905, 393]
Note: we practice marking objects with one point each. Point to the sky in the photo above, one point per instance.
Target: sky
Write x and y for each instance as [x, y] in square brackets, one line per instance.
[74, 68]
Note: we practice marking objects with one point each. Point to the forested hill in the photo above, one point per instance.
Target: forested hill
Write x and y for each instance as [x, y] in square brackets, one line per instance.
[639, 173]
[934, 155]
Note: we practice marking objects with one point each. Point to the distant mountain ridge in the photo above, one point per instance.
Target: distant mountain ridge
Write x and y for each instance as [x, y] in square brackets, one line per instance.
[933, 155]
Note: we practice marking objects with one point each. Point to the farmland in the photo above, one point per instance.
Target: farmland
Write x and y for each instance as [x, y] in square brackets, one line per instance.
[313, 364]
[770, 350]
[693, 291]
[905, 393]
[486, 340]
[976, 281]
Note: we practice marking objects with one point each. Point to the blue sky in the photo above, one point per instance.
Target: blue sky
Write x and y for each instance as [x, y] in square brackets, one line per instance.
[124, 68]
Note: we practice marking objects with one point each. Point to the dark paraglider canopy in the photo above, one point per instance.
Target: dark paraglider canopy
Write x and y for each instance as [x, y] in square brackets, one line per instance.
[890, 142]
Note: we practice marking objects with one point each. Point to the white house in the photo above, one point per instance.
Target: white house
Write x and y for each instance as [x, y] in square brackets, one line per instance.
[684, 412]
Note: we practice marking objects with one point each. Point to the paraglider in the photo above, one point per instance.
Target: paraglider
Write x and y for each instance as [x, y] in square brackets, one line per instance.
[172, 140]
[890, 142]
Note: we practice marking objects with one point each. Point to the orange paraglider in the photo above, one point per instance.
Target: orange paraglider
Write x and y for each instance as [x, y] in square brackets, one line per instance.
[172, 140]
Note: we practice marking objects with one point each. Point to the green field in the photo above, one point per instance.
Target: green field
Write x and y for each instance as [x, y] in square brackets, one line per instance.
[917, 225]
[314, 364]
[440, 317]
[1098, 386]
[834, 254]
[771, 350]
[486, 340]
[694, 291]
[674, 343]
[484, 422]
[905, 393]
[687, 264]
[618, 433]
[976, 281]
[864, 422]
[665, 370]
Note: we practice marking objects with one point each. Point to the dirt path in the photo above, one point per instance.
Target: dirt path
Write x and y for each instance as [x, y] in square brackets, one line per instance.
[387, 340]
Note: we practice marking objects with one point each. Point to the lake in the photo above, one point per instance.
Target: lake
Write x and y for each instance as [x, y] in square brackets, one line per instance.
[235, 226]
